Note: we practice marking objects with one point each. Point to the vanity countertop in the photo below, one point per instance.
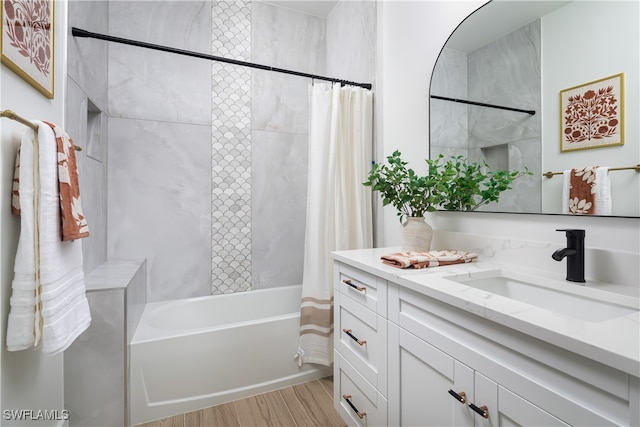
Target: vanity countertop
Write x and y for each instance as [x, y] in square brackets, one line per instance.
[614, 342]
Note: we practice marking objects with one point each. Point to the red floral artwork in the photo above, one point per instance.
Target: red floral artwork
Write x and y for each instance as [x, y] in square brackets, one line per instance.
[592, 115]
[27, 25]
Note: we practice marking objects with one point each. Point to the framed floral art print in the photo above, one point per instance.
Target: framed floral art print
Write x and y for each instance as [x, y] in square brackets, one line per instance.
[27, 41]
[592, 114]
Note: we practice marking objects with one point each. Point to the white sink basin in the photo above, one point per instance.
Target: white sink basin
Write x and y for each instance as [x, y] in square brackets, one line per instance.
[561, 297]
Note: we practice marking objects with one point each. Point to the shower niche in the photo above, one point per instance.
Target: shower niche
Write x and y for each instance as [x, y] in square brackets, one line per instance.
[96, 131]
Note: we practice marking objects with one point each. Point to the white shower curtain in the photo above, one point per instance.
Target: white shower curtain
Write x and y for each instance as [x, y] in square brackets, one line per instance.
[339, 215]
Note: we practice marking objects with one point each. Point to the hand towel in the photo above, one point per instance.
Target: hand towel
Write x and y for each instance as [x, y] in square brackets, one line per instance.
[54, 277]
[587, 191]
[410, 259]
[604, 202]
[74, 224]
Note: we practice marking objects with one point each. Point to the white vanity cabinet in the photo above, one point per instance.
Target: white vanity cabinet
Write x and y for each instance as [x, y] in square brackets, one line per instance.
[516, 379]
[425, 361]
[360, 342]
[434, 389]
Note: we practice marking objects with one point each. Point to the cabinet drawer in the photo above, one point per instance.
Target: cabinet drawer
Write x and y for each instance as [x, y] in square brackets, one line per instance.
[362, 287]
[361, 338]
[356, 400]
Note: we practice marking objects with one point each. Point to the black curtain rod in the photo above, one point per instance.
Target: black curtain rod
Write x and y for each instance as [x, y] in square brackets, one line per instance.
[463, 101]
[77, 32]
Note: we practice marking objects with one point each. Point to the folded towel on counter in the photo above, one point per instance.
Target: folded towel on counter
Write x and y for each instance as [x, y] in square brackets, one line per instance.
[410, 259]
[587, 191]
[48, 279]
[73, 223]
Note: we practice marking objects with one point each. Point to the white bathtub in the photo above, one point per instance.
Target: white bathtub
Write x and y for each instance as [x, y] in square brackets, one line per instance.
[194, 353]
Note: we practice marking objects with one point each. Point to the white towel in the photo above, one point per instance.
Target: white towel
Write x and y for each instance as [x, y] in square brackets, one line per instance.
[601, 191]
[566, 186]
[61, 306]
[21, 330]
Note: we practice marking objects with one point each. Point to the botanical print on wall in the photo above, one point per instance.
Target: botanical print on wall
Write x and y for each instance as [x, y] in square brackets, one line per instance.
[591, 115]
[27, 41]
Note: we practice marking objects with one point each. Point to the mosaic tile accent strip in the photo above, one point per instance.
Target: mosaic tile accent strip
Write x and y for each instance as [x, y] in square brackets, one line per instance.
[231, 149]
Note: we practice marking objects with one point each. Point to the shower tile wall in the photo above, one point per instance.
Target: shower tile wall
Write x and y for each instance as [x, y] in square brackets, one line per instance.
[159, 186]
[86, 85]
[231, 256]
[208, 161]
[351, 41]
[292, 40]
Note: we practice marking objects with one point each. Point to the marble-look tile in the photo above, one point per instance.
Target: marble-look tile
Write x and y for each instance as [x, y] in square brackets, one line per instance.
[148, 84]
[506, 72]
[160, 203]
[279, 102]
[92, 179]
[351, 41]
[450, 75]
[291, 40]
[231, 150]
[113, 275]
[449, 121]
[87, 58]
[279, 195]
[94, 374]
[136, 299]
[286, 38]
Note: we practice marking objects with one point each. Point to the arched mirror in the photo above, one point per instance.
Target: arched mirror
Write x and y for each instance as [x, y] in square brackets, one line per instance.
[506, 78]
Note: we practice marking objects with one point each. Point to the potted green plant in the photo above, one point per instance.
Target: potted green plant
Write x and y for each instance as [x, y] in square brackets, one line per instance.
[453, 185]
[471, 185]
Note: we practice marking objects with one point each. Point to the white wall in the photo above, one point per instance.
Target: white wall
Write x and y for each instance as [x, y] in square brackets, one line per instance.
[412, 34]
[30, 380]
[573, 57]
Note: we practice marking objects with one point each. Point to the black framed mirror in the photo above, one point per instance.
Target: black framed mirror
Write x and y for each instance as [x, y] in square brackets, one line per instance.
[512, 60]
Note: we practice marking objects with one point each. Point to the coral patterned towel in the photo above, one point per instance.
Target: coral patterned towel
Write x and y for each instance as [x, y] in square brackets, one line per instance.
[73, 223]
[409, 259]
[589, 191]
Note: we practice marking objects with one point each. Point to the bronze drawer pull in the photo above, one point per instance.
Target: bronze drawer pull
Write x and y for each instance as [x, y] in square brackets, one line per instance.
[482, 410]
[347, 397]
[353, 337]
[460, 397]
[357, 288]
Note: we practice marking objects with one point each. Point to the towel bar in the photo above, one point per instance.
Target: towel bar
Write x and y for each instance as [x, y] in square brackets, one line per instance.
[13, 116]
[626, 168]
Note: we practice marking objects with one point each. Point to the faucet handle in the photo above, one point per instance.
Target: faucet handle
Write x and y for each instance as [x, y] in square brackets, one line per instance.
[572, 232]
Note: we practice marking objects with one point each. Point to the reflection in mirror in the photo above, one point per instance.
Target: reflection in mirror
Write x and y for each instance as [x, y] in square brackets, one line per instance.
[519, 56]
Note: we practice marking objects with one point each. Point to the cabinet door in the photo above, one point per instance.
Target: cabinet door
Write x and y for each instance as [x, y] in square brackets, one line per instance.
[506, 409]
[419, 396]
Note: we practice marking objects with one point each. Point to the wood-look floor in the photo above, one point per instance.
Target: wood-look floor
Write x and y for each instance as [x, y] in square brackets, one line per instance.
[307, 404]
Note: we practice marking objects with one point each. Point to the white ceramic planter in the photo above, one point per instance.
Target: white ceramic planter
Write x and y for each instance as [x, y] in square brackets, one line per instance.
[416, 235]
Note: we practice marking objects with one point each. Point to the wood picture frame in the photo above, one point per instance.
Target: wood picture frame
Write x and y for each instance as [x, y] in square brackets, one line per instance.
[27, 41]
[592, 114]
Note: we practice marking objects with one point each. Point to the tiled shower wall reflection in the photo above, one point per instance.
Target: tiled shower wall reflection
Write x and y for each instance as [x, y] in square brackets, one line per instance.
[504, 72]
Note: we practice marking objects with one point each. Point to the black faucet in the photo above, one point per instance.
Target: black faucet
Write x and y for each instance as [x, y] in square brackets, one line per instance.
[574, 253]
